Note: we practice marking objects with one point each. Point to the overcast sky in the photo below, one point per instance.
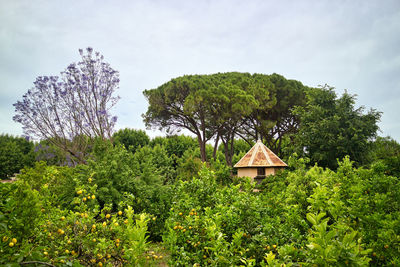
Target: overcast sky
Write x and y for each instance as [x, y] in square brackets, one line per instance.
[353, 45]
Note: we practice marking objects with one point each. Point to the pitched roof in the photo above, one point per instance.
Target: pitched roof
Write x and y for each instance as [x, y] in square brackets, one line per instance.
[260, 156]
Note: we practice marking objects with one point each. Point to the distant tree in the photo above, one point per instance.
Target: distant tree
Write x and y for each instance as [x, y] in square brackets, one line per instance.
[181, 104]
[384, 147]
[272, 120]
[131, 139]
[175, 145]
[209, 106]
[331, 128]
[73, 109]
[387, 151]
[232, 99]
[15, 154]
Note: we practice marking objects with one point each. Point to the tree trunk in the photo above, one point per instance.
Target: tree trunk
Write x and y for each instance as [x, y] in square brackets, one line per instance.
[215, 147]
[202, 144]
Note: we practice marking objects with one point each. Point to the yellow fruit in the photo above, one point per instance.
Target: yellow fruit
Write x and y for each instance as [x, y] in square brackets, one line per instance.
[175, 227]
[104, 224]
[67, 251]
[69, 242]
[190, 227]
[180, 213]
[94, 240]
[93, 196]
[160, 257]
[386, 246]
[93, 260]
[84, 199]
[79, 192]
[184, 230]
[62, 218]
[117, 240]
[274, 246]
[5, 238]
[14, 240]
[155, 256]
[116, 224]
[45, 253]
[154, 218]
[100, 264]
[108, 216]
[90, 180]
[108, 256]
[119, 213]
[126, 221]
[11, 244]
[94, 226]
[148, 257]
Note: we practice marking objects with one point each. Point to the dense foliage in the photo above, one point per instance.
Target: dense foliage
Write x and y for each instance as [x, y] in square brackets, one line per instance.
[15, 153]
[331, 128]
[111, 210]
[136, 201]
[223, 106]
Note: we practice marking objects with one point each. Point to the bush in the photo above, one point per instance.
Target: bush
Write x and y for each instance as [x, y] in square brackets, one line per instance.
[84, 235]
[131, 139]
[15, 153]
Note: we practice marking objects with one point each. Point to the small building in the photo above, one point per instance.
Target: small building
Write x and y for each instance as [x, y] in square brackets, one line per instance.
[259, 162]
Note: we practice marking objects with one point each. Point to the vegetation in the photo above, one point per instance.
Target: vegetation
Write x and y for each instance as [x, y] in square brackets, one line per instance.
[72, 110]
[331, 128]
[136, 201]
[15, 153]
[226, 105]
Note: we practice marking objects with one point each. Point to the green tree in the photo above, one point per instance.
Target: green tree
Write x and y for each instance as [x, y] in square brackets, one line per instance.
[272, 120]
[181, 104]
[209, 106]
[331, 128]
[15, 153]
[131, 139]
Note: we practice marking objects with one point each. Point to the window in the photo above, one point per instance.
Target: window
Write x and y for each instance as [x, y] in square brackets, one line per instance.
[261, 171]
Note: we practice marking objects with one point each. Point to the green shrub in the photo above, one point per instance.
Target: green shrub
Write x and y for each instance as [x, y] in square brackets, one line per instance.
[15, 153]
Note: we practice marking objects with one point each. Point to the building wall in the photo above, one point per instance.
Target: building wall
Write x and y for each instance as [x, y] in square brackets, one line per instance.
[248, 172]
[252, 172]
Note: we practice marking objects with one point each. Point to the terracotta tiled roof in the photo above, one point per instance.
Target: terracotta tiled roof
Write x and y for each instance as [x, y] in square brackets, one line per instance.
[260, 156]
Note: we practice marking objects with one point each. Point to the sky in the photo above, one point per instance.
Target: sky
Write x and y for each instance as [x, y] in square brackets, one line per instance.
[350, 45]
